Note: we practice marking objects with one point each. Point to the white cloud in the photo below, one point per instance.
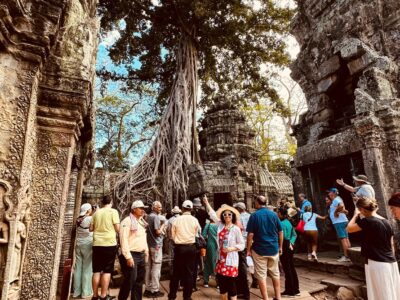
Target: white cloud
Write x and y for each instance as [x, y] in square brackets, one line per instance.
[110, 38]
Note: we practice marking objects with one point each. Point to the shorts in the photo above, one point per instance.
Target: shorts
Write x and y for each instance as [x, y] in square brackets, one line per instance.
[104, 258]
[341, 230]
[264, 265]
[227, 285]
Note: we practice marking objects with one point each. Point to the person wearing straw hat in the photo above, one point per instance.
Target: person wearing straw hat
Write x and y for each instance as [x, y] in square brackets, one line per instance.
[362, 186]
[230, 242]
[134, 247]
[83, 254]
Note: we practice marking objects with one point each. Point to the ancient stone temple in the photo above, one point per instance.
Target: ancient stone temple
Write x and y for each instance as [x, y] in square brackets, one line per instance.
[47, 59]
[348, 67]
[230, 171]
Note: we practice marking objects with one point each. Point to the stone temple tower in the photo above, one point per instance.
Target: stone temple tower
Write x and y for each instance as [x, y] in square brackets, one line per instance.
[348, 68]
[230, 171]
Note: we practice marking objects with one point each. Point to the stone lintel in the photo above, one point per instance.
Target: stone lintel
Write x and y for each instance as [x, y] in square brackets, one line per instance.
[361, 63]
[340, 144]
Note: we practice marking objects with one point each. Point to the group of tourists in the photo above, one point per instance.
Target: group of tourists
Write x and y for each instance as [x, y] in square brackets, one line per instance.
[227, 243]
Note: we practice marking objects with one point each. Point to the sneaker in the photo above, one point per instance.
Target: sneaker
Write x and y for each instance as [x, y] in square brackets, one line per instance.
[108, 297]
[157, 294]
[314, 257]
[297, 293]
[287, 294]
[309, 257]
[206, 285]
[344, 259]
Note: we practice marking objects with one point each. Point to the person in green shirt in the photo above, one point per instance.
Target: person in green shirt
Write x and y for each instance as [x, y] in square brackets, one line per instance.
[289, 238]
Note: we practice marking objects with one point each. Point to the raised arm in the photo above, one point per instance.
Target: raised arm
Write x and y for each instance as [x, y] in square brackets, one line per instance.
[210, 210]
[346, 186]
[353, 226]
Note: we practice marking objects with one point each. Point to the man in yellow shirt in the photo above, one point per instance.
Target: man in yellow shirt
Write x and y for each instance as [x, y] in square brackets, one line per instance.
[184, 231]
[105, 225]
[133, 242]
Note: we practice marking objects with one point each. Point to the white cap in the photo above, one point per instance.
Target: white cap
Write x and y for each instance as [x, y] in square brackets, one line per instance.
[187, 204]
[240, 205]
[138, 204]
[84, 208]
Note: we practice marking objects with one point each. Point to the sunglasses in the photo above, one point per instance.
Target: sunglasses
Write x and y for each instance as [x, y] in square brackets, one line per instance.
[227, 214]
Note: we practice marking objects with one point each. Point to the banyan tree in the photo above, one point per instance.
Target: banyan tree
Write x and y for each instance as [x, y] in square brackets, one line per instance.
[182, 47]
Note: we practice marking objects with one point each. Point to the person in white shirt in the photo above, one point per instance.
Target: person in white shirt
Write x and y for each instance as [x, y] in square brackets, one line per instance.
[184, 231]
[362, 188]
[311, 232]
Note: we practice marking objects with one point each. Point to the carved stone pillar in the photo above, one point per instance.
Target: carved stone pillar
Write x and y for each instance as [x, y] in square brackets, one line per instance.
[374, 163]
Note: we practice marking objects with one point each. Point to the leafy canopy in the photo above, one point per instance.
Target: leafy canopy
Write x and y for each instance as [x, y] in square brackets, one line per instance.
[233, 38]
[124, 125]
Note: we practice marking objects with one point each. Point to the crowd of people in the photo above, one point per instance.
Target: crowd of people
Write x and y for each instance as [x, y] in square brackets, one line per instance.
[228, 244]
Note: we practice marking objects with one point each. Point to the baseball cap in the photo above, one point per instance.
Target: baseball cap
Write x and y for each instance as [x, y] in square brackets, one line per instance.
[187, 204]
[138, 204]
[333, 190]
[84, 208]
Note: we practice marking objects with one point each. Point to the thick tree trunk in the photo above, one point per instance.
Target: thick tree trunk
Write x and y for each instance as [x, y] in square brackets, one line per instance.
[162, 172]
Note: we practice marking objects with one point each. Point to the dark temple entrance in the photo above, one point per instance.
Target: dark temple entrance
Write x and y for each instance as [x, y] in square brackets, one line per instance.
[321, 177]
[222, 198]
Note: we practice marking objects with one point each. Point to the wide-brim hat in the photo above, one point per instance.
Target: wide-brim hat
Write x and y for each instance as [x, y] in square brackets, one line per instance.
[225, 207]
[176, 210]
[197, 202]
[291, 212]
[361, 178]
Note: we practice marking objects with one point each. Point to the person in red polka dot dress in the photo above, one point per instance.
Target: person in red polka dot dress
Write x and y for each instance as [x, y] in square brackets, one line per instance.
[230, 242]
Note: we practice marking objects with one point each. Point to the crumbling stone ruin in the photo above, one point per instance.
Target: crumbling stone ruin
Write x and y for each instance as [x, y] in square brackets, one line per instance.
[230, 169]
[47, 61]
[348, 68]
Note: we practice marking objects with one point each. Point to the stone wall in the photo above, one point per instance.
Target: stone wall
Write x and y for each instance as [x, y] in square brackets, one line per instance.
[47, 59]
[348, 70]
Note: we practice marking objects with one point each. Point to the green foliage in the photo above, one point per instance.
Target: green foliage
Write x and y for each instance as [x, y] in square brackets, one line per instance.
[233, 39]
[279, 165]
[122, 128]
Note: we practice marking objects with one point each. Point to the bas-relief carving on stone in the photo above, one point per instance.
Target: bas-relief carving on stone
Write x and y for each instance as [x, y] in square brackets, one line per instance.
[61, 37]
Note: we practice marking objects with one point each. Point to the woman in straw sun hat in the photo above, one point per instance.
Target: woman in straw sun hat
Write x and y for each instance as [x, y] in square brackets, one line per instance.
[230, 242]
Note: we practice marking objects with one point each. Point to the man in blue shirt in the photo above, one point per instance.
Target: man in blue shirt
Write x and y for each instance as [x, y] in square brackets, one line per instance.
[338, 216]
[264, 244]
[303, 203]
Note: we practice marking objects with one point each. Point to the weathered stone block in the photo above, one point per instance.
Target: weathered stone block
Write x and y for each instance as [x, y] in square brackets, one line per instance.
[328, 67]
[361, 63]
[323, 115]
[350, 48]
[327, 83]
[363, 102]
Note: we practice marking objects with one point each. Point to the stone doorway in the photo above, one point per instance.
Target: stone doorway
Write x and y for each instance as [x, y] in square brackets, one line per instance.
[222, 198]
[322, 176]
